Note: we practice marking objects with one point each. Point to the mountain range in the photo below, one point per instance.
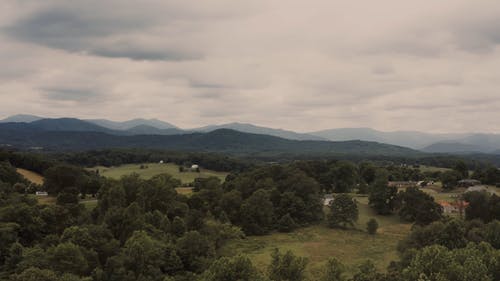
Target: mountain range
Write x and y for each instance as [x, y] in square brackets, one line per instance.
[423, 141]
[66, 134]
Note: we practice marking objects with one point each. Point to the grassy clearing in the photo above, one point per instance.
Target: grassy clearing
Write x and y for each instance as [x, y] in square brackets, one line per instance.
[155, 169]
[89, 204]
[46, 200]
[431, 169]
[184, 190]
[318, 243]
[31, 176]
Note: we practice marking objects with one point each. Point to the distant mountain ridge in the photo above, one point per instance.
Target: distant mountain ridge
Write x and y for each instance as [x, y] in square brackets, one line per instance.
[427, 142]
[26, 135]
[126, 125]
[253, 129]
[21, 118]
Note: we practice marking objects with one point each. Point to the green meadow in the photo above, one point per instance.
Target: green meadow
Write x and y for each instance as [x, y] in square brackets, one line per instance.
[319, 243]
[152, 169]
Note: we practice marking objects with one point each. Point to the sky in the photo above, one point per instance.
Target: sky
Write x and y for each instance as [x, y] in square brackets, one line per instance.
[301, 65]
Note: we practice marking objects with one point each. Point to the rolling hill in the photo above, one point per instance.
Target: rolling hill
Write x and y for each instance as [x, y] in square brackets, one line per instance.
[427, 142]
[26, 135]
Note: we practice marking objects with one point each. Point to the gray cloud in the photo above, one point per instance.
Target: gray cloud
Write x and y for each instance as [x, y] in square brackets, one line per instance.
[70, 94]
[87, 27]
[303, 66]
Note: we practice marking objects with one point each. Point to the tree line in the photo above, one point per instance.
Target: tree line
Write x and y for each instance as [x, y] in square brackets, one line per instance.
[145, 230]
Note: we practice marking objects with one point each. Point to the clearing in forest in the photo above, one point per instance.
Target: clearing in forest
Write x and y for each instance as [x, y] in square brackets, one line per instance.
[149, 170]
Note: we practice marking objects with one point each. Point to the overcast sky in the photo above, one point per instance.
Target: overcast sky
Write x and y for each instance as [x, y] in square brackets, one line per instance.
[302, 65]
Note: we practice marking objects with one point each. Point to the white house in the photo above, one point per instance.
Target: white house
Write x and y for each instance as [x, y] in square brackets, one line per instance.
[194, 167]
[41, 193]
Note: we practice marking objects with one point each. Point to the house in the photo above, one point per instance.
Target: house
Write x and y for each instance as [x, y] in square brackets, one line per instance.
[447, 207]
[161, 162]
[327, 199]
[41, 193]
[468, 183]
[453, 207]
[194, 167]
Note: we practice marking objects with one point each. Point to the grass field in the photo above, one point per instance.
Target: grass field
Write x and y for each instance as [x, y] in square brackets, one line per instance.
[318, 243]
[155, 169]
[31, 176]
[424, 168]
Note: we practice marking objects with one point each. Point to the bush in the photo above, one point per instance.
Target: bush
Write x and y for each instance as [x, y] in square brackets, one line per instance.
[286, 223]
[372, 226]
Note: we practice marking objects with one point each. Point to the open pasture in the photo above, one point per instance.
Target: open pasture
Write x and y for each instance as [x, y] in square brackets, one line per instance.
[31, 176]
[152, 169]
[318, 243]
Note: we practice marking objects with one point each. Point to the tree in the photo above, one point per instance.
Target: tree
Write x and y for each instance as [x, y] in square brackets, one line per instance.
[449, 179]
[286, 223]
[333, 271]
[343, 211]
[178, 227]
[368, 172]
[462, 170]
[195, 251]
[8, 173]
[287, 267]
[436, 263]
[257, 213]
[372, 226]
[60, 177]
[143, 254]
[67, 257]
[239, 268]
[418, 206]
[344, 176]
[482, 206]
[382, 197]
[36, 274]
[368, 272]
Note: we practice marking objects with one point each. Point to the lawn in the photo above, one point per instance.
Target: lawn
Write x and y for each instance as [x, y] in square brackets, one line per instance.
[155, 169]
[31, 176]
[318, 243]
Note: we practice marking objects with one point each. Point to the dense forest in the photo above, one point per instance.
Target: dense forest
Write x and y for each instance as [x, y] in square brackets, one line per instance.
[143, 229]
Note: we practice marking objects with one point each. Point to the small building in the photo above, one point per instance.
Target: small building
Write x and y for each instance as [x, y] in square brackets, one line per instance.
[468, 183]
[41, 193]
[194, 167]
[327, 199]
[161, 162]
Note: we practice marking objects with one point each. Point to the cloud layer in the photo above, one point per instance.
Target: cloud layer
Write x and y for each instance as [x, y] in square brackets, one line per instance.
[301, 65]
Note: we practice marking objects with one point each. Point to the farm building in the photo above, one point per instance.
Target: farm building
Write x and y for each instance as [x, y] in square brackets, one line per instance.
[194, 166]
[453, 207]
[41, 193]
[468, 183]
